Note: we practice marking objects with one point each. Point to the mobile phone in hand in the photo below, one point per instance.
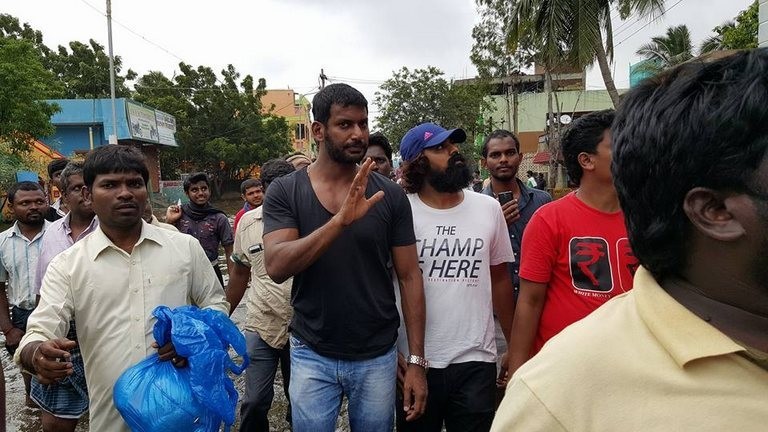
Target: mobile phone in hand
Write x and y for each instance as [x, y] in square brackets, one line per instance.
[505, 197]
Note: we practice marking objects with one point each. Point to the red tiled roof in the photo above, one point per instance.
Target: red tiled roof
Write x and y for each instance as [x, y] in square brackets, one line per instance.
[542, 158]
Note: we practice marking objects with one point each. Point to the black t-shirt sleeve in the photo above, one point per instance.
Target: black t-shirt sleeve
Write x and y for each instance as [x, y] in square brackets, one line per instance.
[402, 218]
[278, 212]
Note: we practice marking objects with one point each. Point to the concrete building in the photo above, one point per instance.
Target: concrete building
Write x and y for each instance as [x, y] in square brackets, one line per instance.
[83, 124]
[294, 108]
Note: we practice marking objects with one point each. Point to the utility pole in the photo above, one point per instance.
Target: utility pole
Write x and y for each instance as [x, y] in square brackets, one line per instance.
[113, 137]
[323, 78]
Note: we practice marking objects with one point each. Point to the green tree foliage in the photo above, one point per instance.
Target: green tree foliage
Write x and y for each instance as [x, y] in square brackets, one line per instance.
[81, 69]
[667, 51]
[217, 120]
[84, 71]
[490, 53]
[574, 33]
[411, 97]
[738, 34]
[24, 84]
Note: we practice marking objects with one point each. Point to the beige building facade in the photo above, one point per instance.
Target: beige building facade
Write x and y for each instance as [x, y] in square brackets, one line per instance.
[294, 107]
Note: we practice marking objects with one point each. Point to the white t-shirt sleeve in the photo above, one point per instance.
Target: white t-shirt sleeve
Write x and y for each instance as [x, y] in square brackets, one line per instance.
[501, 246]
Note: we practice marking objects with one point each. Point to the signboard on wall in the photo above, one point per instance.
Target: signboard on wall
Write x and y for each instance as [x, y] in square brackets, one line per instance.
[142, 122]
[166, 128]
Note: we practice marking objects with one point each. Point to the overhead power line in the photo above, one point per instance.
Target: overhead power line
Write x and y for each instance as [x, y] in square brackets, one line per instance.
[132, 31]
[646, 24]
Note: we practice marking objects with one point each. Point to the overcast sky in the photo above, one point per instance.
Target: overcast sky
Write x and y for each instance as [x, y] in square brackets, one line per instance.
[287, 41]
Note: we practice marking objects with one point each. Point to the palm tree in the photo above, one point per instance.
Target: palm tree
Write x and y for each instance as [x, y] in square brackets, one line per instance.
[667, 51]
[715, 42]
[572, 32]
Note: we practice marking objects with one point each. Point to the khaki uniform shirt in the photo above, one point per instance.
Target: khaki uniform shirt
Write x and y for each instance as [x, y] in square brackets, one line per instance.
[110, 295]
[268, 304]
[641, 362]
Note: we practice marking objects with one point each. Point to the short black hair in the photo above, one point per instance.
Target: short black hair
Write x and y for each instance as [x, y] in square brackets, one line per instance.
[498, 134]
[72, 168]
[194, 178]
[249, 183]
[56, 165]
[698, 125]
[338, 94]
[22, 186]
[378, 139]
[273, 169]
[583, 136]
[113, 158]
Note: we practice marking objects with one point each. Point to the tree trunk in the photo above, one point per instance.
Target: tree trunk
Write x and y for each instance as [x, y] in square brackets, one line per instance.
[605, 70]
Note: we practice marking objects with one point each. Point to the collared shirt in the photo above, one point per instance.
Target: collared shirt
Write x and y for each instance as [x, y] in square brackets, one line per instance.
[210, 231]
[641, 362]
[110, 294]
[530, 201]
[156, 222]
[18, 264]
[57, 206]
[268, 304]
[57, 238]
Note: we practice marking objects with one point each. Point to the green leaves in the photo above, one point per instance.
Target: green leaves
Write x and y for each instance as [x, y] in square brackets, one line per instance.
[217, 120]
[667, 51]
[24, 83]
[417, 96]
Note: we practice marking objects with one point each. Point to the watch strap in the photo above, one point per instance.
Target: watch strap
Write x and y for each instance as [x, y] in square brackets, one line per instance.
[418, 361]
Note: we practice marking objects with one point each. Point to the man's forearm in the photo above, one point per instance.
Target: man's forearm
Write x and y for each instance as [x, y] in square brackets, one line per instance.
[524, 327]
[228, 257]
[5, 315]
[503, 298]
[27, 356]
[238, 283]
[285, 259]
[414, 312]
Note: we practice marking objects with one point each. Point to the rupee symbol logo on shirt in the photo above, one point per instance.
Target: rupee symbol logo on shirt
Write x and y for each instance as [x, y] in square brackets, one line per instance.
[590, 264]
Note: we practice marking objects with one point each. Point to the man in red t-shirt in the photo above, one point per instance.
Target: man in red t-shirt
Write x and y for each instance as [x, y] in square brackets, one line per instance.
[575, 251]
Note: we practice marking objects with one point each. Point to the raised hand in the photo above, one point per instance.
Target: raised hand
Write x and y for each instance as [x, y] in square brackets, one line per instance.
[356, 205]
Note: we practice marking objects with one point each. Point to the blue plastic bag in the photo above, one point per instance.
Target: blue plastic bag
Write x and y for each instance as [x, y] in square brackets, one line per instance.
[154, 396]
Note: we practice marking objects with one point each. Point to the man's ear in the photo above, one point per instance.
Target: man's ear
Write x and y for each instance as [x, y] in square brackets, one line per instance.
[483, 163]
[708, 211]
[585, 160]
[318, 131]
[86, 193]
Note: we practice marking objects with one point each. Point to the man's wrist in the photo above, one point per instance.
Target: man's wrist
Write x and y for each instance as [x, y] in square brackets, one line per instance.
[418, 361]
[28, 361]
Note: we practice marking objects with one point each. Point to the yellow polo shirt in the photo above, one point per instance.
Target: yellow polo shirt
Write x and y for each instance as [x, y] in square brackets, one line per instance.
[641, 362]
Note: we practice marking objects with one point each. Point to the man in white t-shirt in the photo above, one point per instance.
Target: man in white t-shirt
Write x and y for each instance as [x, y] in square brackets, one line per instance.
[464, 249]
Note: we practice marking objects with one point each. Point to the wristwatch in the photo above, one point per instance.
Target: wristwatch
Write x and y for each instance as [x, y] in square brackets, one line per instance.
[418, 361]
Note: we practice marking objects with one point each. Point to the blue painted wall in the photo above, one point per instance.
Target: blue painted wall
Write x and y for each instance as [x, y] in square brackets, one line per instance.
[77, 115]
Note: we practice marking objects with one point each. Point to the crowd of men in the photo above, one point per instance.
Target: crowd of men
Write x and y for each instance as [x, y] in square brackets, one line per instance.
[632, 303]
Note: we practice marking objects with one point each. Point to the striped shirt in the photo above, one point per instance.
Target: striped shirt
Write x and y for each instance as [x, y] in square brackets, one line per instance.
[18, 264]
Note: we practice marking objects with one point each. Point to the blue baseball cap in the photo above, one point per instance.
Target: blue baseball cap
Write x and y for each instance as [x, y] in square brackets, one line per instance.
[427, 135]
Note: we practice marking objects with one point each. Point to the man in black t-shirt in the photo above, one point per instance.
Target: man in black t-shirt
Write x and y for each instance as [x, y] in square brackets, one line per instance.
[334, 227]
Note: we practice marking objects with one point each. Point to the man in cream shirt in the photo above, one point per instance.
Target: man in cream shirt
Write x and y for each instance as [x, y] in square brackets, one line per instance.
[687, 348]
[110, 282]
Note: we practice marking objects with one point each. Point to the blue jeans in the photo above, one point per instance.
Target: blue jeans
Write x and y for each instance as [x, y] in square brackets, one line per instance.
[259, 382]
[318, 384]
